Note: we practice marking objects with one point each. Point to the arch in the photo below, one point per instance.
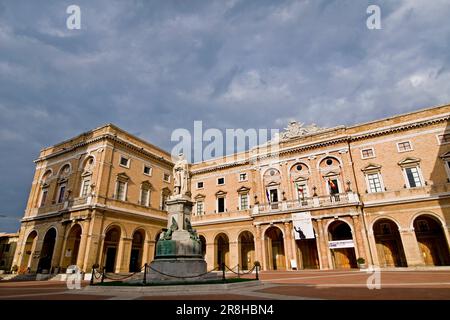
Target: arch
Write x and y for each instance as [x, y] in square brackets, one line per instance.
[385, 217]
[431, 240]
[47, 174]
[73, 240]
[429, 213]
[203, 244]
[246, 247]
[110, 247]
[388, 243]
[274, 245]
[293, 167]
[340, 233]
[118, 225]
[29, 248]
[339, 160]
[67, 164]
[266, 173]
[222, 250]
[137, 250]
[46, 254]
[83, 164]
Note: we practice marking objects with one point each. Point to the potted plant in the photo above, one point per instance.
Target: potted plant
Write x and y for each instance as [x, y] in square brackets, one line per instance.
[361, 263]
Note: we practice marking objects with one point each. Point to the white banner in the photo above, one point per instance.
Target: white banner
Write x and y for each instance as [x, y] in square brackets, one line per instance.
[303, 228]
[341, 244]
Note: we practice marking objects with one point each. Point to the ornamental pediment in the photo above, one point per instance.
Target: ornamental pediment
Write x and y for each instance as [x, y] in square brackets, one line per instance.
[371, 167]
[408, 161]
[296, 129]
[123, 176]
[243, 189]
[221, 193]
[199, 196]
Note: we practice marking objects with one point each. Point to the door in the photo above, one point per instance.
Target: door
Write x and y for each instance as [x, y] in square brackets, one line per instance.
[134, 260]
[426, 247]
[110, 259]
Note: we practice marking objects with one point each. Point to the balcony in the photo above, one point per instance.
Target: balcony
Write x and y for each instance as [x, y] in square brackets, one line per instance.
[349, 198]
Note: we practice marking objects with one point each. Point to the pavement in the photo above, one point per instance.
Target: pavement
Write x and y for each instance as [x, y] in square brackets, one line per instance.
[273, 285]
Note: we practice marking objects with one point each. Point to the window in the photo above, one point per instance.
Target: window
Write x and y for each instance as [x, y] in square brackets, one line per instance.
[61, 193]
[273, 195]
[200, 208]
[147, 170]
[385, 228]
[166, 177]
[221, 204]
[124, 162]
[302, 190]
[85, 187]
[44, 197]
[423, 226]
[145, 196]
[242, 177]
[243, 199]
[6, 247]
[367, 153]
[374, 182]
[200, 185]
[444, 138]
[333, 186]
[221, 181]
[163, 201]
[121, 190]
[413, 177]
[404, 146]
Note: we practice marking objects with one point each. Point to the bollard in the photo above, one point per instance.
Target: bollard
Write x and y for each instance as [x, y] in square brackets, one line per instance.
[103, 274]
[145, 273]
[257, 276]
[93, 275]
[238, 270]
[223, 271]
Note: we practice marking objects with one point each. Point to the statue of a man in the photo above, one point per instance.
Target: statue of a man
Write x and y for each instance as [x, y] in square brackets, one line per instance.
[181, 176]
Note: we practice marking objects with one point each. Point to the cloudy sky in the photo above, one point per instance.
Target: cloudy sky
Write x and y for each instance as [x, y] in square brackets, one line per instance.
[153, 66]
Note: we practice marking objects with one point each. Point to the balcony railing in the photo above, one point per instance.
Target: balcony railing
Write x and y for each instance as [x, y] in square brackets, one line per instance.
[308, 203]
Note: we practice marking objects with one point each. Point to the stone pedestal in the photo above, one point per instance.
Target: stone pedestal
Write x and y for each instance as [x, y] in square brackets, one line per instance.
[178, 255]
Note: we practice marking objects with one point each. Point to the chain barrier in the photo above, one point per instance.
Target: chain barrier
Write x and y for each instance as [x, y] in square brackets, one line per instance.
[97, 275]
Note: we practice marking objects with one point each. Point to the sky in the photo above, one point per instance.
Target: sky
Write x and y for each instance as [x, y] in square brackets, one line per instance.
[151, 67]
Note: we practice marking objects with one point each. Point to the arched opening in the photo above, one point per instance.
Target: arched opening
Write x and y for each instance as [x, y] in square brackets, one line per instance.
[389, 244]
[222, 245]
[48, 246]
[246, 250]
[111, 245]
[203, 242]
[276, 259]
[137, 248]
[308, 253]
[72, 246]
[30, 247]
[341, 245]
[431, 240]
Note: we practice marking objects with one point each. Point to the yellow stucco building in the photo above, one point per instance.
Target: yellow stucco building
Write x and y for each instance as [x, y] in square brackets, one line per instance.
[378, 191]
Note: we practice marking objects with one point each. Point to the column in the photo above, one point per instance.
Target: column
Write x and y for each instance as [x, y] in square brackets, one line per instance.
[373, 247]
[288, 244]
[123, 255]
[358, 237]
[57, 250]
[82, 248]
[258, 248]
[210, 252]
[234, 254]
[323, 245]
[411, 248]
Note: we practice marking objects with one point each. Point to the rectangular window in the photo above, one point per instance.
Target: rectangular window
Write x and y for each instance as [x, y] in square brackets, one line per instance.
[124, 161]
[200, 208]
[44, 197]
[333, 186]
[367, 153]
[85, 187]
[145, 197]
[444, 138]
[413, 177]
[166, 177]
[163, 202]
[242, 177]
[221, 204]
[244, 201]
[374, 182]
[147, 170]
[404, 146]
[61, 193]
[120, 192]
[273, 194]
[199, 185]
[302, 190]
[220, 181]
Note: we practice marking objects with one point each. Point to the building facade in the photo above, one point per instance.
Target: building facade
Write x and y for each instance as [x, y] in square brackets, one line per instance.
[8, 243]
[378, 191]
